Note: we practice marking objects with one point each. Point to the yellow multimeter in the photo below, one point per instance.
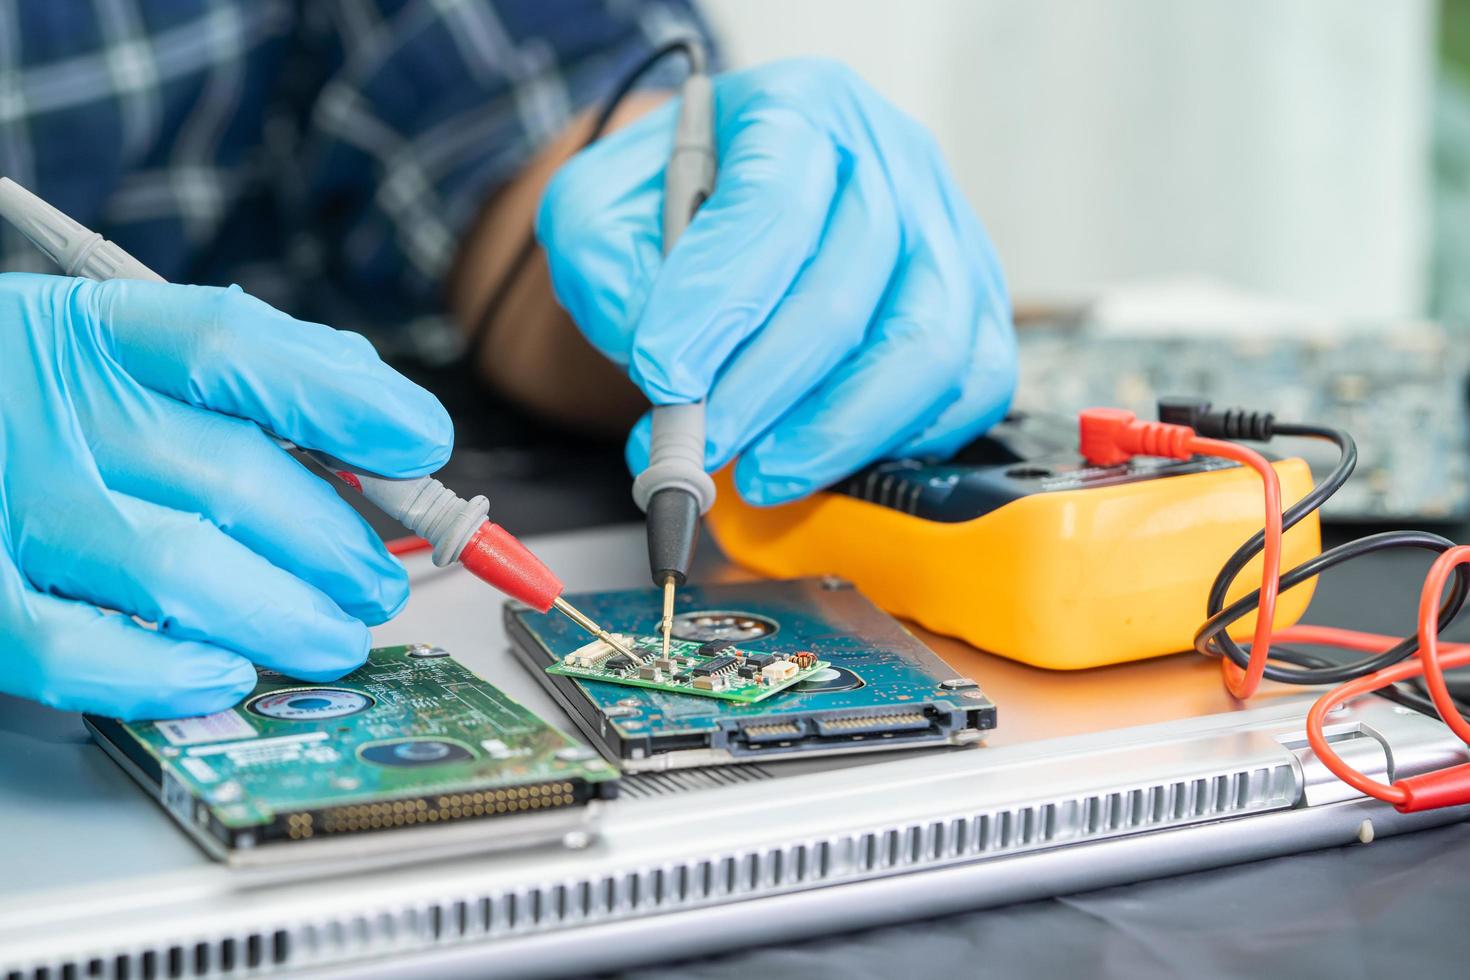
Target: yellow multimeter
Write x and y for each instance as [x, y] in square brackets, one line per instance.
[1021, 548]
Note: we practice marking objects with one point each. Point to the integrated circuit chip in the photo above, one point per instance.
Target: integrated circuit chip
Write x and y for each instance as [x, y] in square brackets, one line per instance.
[713, 665]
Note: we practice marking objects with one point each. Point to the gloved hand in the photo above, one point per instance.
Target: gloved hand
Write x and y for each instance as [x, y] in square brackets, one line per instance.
[835, 299]
[130, 479]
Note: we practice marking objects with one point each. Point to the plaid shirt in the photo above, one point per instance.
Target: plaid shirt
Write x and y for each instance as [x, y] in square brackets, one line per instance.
[325, 154]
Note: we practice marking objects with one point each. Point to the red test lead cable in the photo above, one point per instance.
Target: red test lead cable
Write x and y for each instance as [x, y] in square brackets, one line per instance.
[1443, 787]
[1112, 436]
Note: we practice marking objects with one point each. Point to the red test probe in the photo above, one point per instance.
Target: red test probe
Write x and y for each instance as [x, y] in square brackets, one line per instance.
[458, 529]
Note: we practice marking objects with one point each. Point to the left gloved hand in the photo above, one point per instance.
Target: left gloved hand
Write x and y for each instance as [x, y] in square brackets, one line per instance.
[835, 300]
[135, 476]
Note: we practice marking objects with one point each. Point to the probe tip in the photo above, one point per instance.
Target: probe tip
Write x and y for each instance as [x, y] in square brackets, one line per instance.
[583, 620]
[666, 625]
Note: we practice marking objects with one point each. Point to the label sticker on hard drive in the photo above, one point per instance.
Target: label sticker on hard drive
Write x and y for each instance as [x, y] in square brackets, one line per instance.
[210, 728]
[199, 769]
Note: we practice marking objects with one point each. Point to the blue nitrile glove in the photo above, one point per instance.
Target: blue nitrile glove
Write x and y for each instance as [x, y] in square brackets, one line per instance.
[131, 480]
[835, 299]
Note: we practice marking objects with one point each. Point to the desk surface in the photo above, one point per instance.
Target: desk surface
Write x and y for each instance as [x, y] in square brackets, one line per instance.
[1339, 913]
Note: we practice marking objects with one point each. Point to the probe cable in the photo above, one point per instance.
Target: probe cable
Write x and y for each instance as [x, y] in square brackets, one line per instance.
[1426, 791]
[408, 545]
[1110, 436]
[1243, 683]
[490, 311]
[694, 55]
[1212, 638]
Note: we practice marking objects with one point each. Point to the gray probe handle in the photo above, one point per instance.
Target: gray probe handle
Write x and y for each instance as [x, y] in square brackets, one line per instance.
[676, 456]
[676, 449]
[690, 176]
[78, 250]
[423, 505]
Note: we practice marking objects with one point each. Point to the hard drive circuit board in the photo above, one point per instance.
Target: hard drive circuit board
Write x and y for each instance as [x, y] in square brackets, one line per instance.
[880, 686]
[410, 738]
[714, 669]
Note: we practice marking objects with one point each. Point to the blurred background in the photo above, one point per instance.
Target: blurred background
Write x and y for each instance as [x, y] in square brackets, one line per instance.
[1284, 148]
[1264, 203]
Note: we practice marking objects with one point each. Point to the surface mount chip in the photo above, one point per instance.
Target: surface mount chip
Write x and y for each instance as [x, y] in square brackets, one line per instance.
[410, 742]
[691, 668]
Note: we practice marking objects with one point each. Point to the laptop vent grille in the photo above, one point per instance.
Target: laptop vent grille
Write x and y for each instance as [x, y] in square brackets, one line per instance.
[640, 786]
[352, 933]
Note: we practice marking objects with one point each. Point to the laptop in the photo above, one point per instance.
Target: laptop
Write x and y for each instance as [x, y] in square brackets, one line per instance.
[1089, 779]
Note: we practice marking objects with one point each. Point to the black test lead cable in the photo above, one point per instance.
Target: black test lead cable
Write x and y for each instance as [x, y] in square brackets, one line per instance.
[1212, 638]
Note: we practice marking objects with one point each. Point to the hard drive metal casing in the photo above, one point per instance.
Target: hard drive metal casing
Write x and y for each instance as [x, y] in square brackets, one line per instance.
[887, 690]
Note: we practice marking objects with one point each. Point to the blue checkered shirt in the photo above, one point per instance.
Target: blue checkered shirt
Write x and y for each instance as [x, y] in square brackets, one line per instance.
[327, 155]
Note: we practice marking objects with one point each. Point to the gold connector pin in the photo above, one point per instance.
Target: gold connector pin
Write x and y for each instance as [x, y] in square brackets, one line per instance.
[581, 619]
[666, 625]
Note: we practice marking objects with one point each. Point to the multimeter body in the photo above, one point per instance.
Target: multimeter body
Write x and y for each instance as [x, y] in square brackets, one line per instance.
[1023, 549]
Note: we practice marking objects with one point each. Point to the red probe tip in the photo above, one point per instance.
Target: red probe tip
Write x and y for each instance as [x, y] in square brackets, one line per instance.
[495, 556]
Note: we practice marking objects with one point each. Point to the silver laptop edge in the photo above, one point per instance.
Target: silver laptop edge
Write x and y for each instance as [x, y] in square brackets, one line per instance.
[816, 852]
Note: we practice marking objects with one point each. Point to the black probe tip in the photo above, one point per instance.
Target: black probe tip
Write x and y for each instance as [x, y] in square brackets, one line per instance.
[673, 529]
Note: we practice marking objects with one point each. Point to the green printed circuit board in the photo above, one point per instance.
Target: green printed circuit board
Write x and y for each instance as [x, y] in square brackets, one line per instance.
[410, 738]
[710, 669]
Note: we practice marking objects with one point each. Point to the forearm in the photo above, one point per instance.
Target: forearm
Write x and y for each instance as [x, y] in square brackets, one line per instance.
[532, 352]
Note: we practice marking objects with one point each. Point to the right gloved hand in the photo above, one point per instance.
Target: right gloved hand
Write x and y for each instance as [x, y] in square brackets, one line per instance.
[835, 301]
[133, 478]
